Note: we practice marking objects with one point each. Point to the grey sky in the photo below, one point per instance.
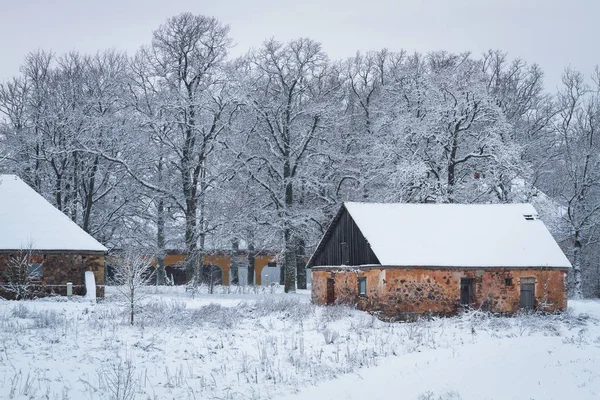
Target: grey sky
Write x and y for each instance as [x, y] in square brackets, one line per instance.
[552, 33]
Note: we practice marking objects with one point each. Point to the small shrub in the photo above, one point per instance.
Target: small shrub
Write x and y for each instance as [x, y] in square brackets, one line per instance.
[450, 395]
[117, 380]
[334, 313]
[287, 307]
[330, 336]
[20, 311]
[222, 317]
[47, 319]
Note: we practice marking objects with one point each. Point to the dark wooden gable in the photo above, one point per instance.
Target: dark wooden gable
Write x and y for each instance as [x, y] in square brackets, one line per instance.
[343, 244]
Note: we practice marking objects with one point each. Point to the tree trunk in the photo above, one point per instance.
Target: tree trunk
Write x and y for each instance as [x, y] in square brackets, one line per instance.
[75, 187]
[191, 246]
[89, 200]
[235, 249]
[160, 243]
[289, 251]
[289, 262]
[251, 259]
[201, 227]
[191, 243]
[132, 303]
[301, 263]
[577, 281]
[452, 167]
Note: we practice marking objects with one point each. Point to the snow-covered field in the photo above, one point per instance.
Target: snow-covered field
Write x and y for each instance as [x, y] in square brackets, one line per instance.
[261, 343]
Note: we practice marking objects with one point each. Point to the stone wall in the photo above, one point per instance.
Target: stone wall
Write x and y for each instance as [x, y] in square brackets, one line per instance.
[402, 292]
[58, 269]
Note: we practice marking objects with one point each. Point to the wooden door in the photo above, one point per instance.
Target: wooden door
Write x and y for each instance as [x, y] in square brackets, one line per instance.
[330, 291]
[527, 296]
[466, 291]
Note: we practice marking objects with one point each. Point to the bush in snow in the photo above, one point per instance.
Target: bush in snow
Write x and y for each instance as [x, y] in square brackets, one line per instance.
[450, 395]
[286, 306]
[334, 313]
[47, 319]
[20, 311]
[330, 336]
[117, 380]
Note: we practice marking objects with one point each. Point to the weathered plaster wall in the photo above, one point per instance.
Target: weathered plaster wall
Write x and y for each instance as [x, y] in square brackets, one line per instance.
[60, 268]
[259, 263]
[400, 290]
[223, 261]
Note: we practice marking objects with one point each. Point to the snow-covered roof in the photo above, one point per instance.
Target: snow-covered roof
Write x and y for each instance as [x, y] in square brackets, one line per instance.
[28, 221]
[459, 235]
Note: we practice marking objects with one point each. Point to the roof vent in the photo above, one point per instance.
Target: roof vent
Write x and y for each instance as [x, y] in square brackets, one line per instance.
[529, 217]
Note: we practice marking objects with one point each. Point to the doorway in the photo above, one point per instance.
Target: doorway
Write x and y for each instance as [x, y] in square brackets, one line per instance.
[330, 291]
[466, 292]
[527, 293]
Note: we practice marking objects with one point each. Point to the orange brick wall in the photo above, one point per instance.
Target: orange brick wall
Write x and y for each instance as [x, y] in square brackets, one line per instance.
[401, 290]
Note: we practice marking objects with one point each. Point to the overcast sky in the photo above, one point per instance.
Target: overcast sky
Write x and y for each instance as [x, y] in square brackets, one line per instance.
[552, 33]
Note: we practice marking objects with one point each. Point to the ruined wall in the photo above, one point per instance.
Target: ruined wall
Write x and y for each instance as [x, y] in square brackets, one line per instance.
[396, 290]
[259, 263]
[60, 268]
[223, 261]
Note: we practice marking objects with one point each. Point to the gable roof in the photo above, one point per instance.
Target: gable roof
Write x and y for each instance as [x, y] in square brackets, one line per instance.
[456, 235]
[28, 221]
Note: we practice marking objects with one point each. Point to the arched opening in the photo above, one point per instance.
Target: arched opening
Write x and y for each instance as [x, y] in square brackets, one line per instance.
[270, 273]
[212, 275]
[176, 274]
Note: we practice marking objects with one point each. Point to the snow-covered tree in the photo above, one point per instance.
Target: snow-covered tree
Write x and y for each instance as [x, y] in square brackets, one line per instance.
[187, 58]
[288, 92]
[579, 169]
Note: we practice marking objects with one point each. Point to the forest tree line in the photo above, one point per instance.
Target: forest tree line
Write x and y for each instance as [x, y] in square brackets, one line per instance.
[183, 146]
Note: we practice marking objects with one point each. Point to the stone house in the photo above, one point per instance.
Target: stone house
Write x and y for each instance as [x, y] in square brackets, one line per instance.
[42, 248]
[402, 260]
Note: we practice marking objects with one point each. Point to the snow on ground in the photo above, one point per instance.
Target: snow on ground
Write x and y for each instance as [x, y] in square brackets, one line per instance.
[244, 343]
[525, 361]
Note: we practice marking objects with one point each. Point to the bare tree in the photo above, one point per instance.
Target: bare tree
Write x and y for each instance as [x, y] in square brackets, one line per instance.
[22, 275]
[133, 273]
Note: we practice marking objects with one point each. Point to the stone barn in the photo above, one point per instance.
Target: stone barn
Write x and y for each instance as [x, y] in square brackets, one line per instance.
[41, 249]
[402, 260]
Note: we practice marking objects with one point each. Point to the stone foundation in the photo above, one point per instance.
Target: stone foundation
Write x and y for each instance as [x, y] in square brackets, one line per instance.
[402, 292]
[57, 270]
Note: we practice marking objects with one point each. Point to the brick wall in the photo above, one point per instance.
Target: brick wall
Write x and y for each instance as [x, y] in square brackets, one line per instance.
[60, 268]
[396, 291]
